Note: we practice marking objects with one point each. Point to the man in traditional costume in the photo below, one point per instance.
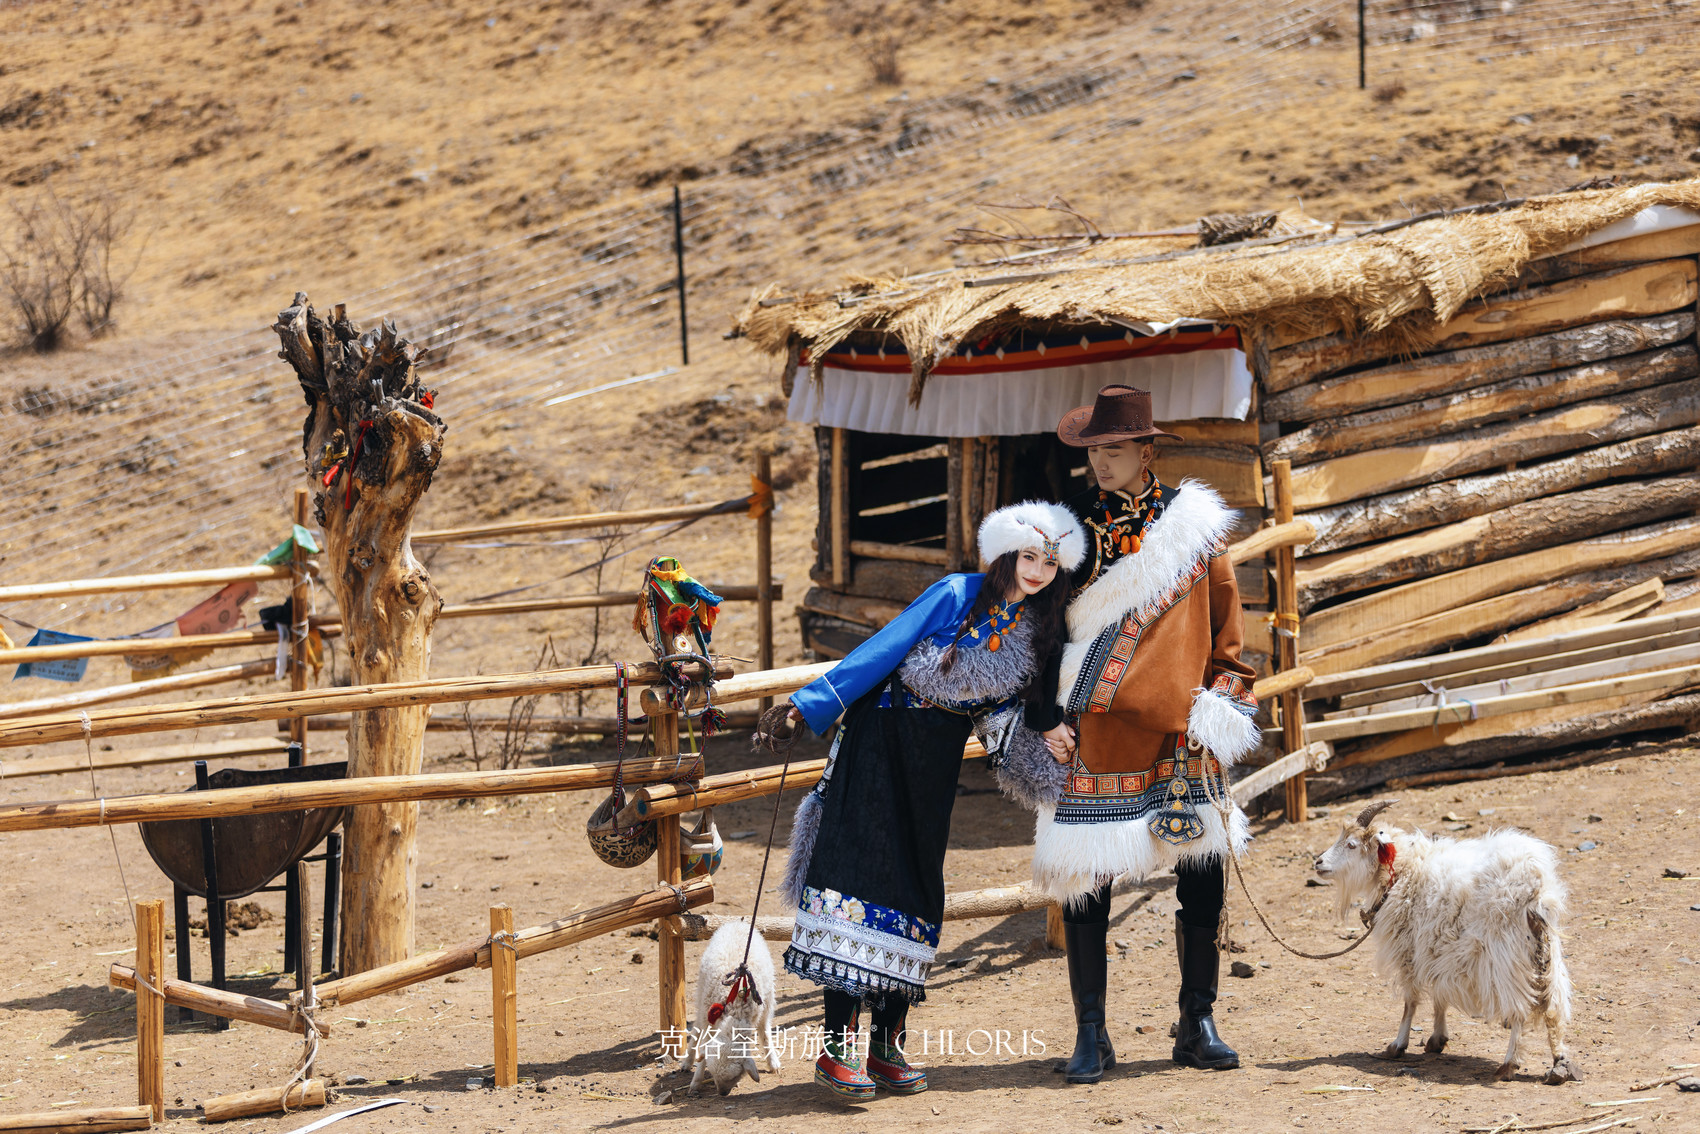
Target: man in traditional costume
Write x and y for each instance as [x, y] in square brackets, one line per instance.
[1152, 676]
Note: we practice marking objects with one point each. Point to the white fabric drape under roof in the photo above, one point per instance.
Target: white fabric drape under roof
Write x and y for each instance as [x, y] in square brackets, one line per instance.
[1203, 383]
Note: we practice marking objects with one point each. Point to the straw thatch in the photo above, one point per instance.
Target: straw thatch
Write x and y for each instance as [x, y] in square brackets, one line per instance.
[1407, 280]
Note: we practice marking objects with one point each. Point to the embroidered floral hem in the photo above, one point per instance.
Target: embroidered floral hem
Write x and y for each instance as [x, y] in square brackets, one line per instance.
[861, 947]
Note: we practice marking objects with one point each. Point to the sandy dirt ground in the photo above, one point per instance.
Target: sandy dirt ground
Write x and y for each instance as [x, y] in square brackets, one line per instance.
[589, 1046]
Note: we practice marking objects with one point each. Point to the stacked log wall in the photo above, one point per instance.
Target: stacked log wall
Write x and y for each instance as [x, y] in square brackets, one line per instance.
[1536, 467]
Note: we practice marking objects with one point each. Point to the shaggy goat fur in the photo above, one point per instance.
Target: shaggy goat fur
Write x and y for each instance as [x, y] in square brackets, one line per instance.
[725, 1049]
[1475, 924]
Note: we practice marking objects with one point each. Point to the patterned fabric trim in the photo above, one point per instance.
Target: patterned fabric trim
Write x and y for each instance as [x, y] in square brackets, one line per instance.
[1115, 798]
[1237, 690]
[1108, 657]
[861, 947]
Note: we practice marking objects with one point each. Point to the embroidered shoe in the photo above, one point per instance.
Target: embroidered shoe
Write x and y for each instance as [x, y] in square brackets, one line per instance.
[844, 1078]
[895, 1075]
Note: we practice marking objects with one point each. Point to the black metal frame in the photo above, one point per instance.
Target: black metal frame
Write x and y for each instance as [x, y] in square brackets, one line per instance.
[292, 912]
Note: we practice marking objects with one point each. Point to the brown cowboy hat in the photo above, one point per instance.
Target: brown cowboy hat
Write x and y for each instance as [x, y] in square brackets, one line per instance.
[1120, 413]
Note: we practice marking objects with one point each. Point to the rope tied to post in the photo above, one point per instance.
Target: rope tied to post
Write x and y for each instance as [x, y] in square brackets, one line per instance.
[94, 790]
[309, 1051]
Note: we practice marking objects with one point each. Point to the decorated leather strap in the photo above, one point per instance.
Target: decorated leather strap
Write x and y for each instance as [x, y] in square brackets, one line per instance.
[1111, 652]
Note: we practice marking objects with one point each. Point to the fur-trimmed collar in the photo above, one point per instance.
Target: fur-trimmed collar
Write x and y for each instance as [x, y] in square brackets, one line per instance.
[1195, 525]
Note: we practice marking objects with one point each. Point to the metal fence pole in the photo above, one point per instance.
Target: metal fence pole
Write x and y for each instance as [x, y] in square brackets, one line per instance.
[679, 262]
[1362, 77]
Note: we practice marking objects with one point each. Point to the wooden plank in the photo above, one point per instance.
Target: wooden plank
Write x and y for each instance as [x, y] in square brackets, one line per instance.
[1404, 720]
[1234, 471]
[84, 1120]
[1455, 694]
[1453, 370]
[1312, 758]
[1627, 603]
[1521, 528]
[1215, 431]
[116, 584]
[901, 553]
[1452, 735]
[1411, 421]
[873, 612]
[1398, 606]
[1662, 245]
[1644, 289]
[1562, 430]
[1414, 509]
[1338, 683]
[1513, 669]
[1491, 616]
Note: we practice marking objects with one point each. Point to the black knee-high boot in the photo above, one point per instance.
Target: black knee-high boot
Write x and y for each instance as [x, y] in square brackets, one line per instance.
[1084, 933]
[1196, 1041]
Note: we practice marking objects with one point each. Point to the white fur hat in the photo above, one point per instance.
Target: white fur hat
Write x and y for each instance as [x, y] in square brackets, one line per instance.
[1033, 526]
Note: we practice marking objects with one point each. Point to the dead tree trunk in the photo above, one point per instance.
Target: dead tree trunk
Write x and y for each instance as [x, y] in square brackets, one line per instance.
[371, 445]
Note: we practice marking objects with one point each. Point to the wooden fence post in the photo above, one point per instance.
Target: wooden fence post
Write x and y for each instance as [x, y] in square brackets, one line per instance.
[669, 871]
[1054, 927]
[300, 597]
[1287, 640]
[840, 507]
[764, 568]
[504, 996]
[150, 1006]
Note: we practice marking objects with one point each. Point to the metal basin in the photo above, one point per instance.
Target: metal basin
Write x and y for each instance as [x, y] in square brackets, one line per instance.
[252, 849]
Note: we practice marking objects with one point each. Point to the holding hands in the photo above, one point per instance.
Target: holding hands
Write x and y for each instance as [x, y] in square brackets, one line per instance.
[1060, 741]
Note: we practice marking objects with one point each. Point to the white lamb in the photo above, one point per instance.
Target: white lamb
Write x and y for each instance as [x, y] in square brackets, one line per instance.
[1472, 923]
[728, 1033]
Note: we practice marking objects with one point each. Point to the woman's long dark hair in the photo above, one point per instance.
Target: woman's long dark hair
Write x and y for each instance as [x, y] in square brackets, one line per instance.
[1044, 610]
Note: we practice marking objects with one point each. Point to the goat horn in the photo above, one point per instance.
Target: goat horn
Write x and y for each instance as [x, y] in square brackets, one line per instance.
[1373, 810]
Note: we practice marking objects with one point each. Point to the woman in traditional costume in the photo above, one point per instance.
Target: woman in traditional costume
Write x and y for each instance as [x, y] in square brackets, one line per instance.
[1152, 675]
[866, 868]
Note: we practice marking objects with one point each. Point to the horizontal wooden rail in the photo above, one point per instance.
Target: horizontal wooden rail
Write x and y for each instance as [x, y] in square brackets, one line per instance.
[587, 520]
[1442, 665]
[144, 757]
[1293, 533]
[729, 787]
[114, 584]
[212, 804]
[314, 702]
[88, 1120]
[767, 682]
[659, 902]
[130, 690]
[140, 647]
[568, 726]
[1268, 688]
[899, 552]
[729, 592]
[217, 1002]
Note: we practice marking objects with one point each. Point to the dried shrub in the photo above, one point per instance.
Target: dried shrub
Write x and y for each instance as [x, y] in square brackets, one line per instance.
[60, 260]
[880, 50]
[1388, 92]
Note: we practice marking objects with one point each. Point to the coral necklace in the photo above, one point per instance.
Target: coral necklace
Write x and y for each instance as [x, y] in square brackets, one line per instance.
[1003, 617]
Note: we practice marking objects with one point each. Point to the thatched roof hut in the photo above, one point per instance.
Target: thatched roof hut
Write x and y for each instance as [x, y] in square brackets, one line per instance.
[1492, 417]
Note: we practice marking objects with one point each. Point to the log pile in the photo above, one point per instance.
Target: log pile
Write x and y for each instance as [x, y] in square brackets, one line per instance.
[1534, 471]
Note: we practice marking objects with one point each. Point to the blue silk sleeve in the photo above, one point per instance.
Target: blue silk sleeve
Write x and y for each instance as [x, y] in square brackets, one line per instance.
[940, 608]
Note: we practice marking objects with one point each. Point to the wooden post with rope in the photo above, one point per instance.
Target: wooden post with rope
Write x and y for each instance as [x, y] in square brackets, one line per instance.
[150, 1006]
[670, 942]
[763, 506]
[504, 995]
[1287, 640]
[300, 598]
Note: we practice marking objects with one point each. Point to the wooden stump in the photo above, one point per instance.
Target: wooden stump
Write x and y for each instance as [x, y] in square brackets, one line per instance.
[371, 445]
[150, 1006]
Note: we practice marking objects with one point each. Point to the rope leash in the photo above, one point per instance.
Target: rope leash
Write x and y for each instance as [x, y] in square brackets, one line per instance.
[767, 736]
[94, 790]
[1225, 808]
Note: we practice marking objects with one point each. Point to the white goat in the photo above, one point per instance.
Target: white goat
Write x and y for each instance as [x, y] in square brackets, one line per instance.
[723, 1044]
[1472, 923]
